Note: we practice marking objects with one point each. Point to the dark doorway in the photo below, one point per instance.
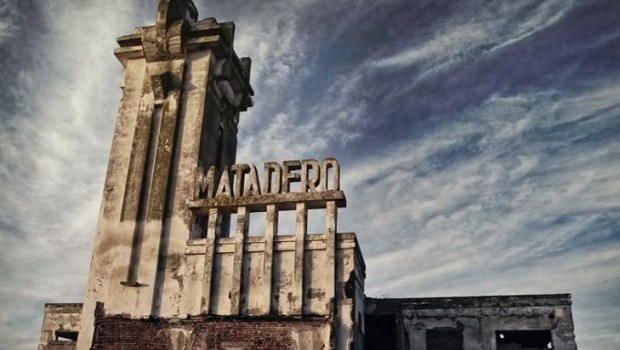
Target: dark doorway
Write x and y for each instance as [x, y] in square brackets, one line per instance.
[518, 340]
[380, 332]
[444, 339]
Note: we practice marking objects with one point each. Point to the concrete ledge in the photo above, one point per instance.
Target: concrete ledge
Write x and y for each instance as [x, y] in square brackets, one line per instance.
[283, 201]
[492, 301]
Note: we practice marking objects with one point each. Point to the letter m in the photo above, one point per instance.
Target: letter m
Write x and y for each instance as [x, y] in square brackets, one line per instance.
[204, 184]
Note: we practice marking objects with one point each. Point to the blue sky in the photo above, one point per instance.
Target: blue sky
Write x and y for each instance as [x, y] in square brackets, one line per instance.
[479, 141]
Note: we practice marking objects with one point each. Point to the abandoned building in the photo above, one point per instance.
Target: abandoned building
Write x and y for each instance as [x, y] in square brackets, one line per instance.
[174, 266]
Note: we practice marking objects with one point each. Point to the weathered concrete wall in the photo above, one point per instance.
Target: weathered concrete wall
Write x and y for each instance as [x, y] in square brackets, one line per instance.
[324, 324]
[255, 289]
[58, 318]
[350, 274]
[478, 318]
[183, 89]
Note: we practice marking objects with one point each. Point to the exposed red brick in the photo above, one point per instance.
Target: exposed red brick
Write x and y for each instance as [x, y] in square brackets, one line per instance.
[121, 332]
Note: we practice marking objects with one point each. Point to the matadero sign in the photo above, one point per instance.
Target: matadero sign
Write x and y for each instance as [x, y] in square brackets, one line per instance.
[240, 185]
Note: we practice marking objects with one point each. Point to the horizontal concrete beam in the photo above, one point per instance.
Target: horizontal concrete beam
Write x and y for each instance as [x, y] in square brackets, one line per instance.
[283, 201]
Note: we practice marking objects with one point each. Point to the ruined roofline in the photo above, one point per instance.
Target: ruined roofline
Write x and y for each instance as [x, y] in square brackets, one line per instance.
[476, 301]
[358, 249]
[63, 305]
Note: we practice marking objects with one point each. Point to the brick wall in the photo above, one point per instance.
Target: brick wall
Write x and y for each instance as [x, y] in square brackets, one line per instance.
[60, 345]
[121, 332]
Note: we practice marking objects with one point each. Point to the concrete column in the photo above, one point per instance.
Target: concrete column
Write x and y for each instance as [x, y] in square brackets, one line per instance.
[159, 191]
[301, 228]
[145, 133]
[271, 230]
[331, 219]
[193, 131]
[208, 266]
[241, 232]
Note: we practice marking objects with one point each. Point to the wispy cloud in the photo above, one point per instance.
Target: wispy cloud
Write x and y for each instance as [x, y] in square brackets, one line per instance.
[54, 151]
[509, 197]
[507, 192]
[279, 55]
[512, 153]
[445, 45]
[8, 14]
[281, 122]
[466, 35]
[297, 132]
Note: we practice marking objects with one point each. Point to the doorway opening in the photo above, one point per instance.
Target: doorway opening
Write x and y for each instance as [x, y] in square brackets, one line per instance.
[380, 332]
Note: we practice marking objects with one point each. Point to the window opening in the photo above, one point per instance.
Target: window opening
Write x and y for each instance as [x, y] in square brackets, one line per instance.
[66, 335]
[316, 220]
[232, 225]
[526, 340]
[286, 222]
[258, 222]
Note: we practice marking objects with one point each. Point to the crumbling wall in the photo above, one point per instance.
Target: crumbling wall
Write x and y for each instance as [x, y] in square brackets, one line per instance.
[238, 333]
[59, 320]
[479, 320]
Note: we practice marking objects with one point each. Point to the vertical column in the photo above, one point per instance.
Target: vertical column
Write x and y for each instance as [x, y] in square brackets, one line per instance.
[142, 157]
[301, 227]
[331, 219]
[241, 232]
[209, 256]
[192, 132]
[271, 230]
[170, 80]
[140, 186]
[168, 76]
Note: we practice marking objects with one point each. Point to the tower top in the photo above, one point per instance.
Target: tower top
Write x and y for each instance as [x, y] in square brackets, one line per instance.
[170, 11]
[176, 10]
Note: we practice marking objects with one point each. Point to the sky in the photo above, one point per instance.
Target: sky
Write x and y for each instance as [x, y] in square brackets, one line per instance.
[479, 141]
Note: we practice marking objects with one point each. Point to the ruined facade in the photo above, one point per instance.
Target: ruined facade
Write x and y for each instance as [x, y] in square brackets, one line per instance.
[484, 323]
[174, 265]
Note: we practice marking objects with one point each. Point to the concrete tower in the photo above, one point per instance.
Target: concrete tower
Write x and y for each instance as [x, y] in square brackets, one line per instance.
[183, 89]
[164, 248]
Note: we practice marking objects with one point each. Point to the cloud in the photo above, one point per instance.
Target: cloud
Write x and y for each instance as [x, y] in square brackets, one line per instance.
[279, 65]
[8, 21]
[447, 44]
[510, 191]
[494, 26]
[54, 151]
[505, 154]
[296, 133]
[284, 121]
[508, 197]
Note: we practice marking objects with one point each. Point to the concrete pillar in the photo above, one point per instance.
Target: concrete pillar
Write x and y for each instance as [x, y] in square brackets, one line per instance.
[271, 230]
[331, 220]
[208, 265]
[241, 232]
[301, 228]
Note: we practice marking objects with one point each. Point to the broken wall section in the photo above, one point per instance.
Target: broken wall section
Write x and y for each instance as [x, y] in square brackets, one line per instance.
[61, 323]
[121, 332]
[475, 323]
